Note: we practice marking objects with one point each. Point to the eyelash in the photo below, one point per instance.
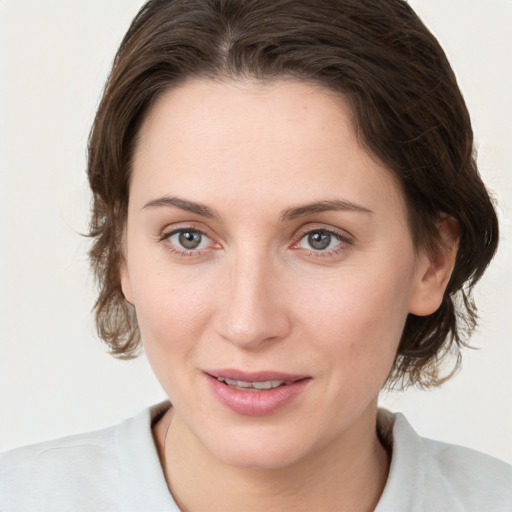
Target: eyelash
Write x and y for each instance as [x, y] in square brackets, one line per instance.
[182, 252]
[344, 242]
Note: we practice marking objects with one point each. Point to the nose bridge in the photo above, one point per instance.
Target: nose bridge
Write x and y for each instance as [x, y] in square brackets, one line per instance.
[251, 312]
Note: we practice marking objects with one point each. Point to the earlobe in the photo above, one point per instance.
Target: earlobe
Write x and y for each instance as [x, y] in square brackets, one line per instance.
[126, 285]
[434, 270]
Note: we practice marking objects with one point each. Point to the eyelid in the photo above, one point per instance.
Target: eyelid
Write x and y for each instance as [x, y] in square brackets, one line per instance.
[311, 228]
[345, 240]
[168, 233]
[184, 225]
[170, 230]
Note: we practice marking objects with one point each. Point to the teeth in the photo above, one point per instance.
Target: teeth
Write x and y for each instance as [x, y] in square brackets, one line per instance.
[237, 383]
[240, 384]
[269, 384]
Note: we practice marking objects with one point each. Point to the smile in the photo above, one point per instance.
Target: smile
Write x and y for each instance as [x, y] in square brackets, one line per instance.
[255, 393]
[252, 386]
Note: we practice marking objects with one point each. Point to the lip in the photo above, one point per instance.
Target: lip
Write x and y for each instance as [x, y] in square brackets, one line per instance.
[255, 403]
[261, 376]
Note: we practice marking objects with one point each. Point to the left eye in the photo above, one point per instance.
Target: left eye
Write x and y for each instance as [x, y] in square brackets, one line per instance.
[189, 239]
[320, 240]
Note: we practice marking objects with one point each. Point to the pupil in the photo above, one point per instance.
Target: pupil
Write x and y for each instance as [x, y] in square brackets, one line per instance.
[319, 241]
[189, 240]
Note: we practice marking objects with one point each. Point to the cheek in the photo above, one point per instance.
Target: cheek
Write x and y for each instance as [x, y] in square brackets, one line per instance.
[358, 321]
[171, 314]
[171, 311]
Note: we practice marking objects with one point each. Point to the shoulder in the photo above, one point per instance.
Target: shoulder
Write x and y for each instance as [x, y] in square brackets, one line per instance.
[478, 479]
[54, 471]
[91, 471]
[430, 475]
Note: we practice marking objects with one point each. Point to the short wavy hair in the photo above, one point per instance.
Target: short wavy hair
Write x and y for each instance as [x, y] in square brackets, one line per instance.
[407, 109]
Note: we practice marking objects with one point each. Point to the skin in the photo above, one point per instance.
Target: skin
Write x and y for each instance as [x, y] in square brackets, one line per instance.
[255, 295]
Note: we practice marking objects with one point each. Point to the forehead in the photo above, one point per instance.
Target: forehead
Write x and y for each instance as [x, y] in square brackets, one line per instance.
[245, 140]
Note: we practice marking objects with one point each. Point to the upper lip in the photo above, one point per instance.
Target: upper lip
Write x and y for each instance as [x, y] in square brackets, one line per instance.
[261, 376]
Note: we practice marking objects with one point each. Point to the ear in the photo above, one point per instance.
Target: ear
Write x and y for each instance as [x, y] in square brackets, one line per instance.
[434, 270]
[126, 285]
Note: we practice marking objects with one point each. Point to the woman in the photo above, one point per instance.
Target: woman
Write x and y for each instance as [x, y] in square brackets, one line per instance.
[287, 213]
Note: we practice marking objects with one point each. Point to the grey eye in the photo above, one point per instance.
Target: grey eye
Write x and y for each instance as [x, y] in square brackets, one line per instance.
[189, 239]
[319, 240]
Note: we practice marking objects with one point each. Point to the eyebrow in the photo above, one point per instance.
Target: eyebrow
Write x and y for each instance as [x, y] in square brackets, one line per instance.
[288, 214]
[183, 204]
[323, 206]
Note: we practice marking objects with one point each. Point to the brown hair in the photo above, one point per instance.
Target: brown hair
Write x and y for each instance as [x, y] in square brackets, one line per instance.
[407, 111]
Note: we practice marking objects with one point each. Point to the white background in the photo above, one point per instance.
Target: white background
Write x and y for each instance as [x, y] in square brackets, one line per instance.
[55, 375]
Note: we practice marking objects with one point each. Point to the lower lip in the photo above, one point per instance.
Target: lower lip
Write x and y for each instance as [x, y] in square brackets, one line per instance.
[255, 403]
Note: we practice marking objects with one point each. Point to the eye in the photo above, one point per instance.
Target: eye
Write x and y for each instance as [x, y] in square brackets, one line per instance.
[188, 240]
[321, 240]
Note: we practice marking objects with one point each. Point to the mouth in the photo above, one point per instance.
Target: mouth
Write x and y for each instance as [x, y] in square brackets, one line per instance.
[254, 381]
[243, 385]
[255, 393]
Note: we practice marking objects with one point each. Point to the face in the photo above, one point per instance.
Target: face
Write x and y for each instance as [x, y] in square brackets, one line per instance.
[271, 267]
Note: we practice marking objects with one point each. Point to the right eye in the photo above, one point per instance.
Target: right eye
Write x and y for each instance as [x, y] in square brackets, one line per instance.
[187, 240]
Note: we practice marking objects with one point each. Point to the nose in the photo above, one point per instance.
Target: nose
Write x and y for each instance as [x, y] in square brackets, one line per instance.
[252, 310]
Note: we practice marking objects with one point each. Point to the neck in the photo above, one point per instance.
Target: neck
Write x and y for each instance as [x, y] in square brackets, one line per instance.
[346, 475]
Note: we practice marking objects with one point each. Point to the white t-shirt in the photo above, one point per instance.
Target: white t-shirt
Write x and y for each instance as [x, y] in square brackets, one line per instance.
[118, 469]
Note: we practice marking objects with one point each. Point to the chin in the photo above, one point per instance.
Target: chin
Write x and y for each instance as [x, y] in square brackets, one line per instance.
[257, 458]
[258, 449]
